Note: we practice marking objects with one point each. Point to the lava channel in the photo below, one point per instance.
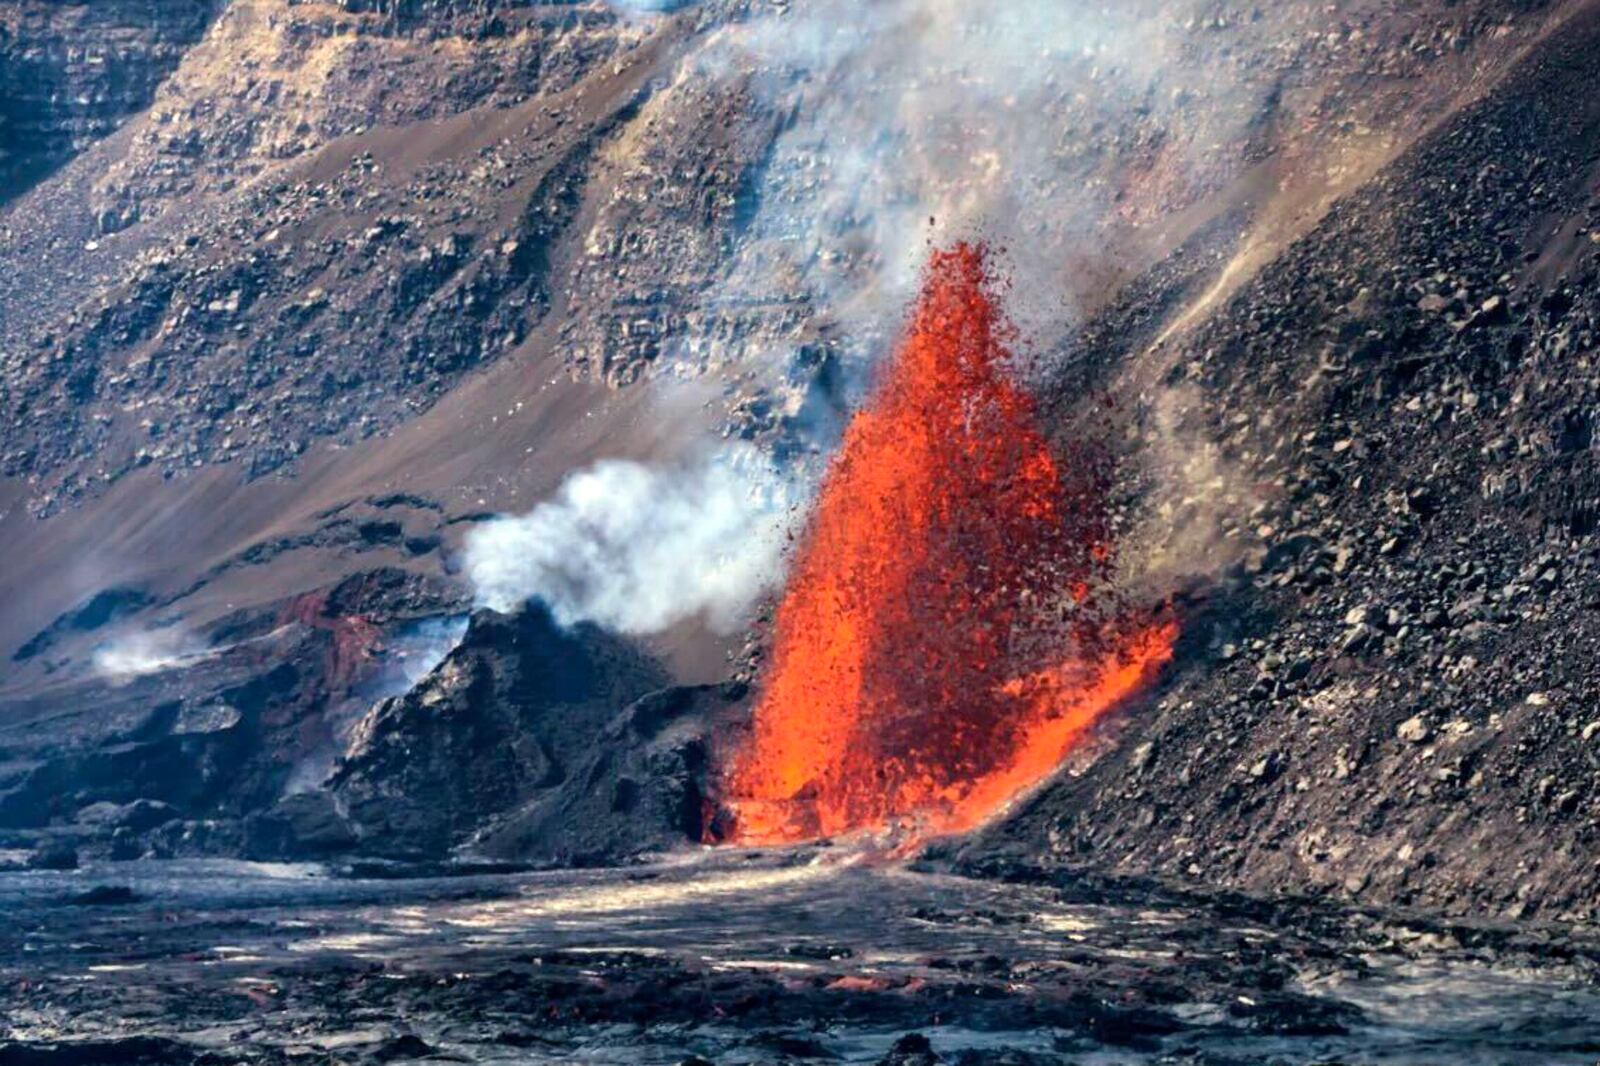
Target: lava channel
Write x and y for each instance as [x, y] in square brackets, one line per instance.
[949, 631]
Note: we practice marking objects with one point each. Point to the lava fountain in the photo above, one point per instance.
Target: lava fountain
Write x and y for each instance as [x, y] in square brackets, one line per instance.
[949, 630]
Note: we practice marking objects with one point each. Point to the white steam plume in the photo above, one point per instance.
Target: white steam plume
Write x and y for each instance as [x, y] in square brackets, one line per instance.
[1041, 125]
[637, 549]
[142, 652]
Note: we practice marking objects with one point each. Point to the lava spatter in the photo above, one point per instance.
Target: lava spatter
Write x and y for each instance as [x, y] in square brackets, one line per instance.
[946, 636]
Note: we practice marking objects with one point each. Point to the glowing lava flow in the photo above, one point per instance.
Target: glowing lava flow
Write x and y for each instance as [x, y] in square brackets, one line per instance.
[949, 559]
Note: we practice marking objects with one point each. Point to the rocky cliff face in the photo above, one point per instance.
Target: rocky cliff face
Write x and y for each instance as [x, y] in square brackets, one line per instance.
[70, 73]
[324, 276]
[332, 213]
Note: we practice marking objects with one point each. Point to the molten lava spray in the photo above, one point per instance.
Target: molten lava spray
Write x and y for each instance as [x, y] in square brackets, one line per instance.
[944, 640]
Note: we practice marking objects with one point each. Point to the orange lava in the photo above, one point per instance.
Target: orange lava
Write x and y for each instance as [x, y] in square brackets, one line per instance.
[950, 556]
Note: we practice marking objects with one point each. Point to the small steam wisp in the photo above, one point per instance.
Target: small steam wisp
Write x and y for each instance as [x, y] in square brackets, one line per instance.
[143, 652]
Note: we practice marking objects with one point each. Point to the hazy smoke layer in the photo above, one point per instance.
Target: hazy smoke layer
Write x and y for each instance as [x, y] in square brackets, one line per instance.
[414, 653]
[636, 548]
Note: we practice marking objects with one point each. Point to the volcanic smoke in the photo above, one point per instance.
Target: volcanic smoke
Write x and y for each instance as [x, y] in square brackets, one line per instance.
[948, 633]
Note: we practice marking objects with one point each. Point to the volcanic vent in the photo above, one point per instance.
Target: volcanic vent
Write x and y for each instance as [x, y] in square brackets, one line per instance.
[950, 630]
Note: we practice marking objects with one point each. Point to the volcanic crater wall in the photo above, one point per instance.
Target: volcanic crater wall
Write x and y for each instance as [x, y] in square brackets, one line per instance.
[72, 72]
[359, 246]
[1393, 697]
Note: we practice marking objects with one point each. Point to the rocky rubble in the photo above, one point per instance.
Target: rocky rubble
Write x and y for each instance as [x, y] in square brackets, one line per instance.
[1392, 695]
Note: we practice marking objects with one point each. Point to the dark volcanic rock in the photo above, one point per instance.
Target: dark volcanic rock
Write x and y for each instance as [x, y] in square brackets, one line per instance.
[54, 855]
[139, 816]
[103, 607]
[640, 787]
[1392, 695]
[305, 825]
[105, 896]
[913, 1049]
[124, 1051]
[515, 745]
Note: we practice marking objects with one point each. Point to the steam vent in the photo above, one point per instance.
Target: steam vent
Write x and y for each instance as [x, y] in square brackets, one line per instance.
[748, 532]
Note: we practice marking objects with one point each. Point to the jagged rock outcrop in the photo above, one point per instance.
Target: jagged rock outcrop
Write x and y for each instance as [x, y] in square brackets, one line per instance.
[536, 743]
[173, 747]
[646, 784]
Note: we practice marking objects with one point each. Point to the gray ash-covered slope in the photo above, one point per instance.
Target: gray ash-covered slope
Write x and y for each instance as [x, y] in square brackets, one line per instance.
[1395, 695]
[536, 743]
